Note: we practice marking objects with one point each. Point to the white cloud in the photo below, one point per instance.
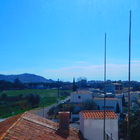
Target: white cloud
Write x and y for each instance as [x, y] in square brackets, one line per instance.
[114, 72]
[135, 61]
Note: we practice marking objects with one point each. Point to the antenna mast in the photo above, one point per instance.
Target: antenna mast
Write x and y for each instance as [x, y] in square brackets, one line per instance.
[104, 84]
[129, 69]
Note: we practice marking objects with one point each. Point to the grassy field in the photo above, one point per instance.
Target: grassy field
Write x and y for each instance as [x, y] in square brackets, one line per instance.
[41, 92]
[47, 97]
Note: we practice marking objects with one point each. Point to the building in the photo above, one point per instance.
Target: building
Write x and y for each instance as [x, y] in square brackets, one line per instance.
[111, 103]
[95, 92]
[92, 124]
[114, 87]
[28, 126]
[82, 82]
[80, 96]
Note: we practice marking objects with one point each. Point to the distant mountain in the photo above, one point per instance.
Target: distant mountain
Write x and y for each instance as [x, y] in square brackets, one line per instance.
[25, 78]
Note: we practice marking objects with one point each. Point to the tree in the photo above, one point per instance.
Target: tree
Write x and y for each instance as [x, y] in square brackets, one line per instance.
[134, 122]
[4, 96]
[18, 84]
[89, 105]
[74, 88]
[123, 101]
[34, 99]
[98, 107]
[136, 106]
[135, 126]
[82, 82]
[117, 108]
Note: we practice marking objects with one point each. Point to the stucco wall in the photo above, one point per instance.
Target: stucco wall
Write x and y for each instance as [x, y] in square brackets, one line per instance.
[93, 128]
[74, 97]
[81, 124]
[109, 103]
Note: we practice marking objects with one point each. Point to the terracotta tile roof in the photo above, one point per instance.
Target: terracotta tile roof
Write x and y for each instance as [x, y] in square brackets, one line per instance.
[5, 125]
[98, 114]
[32, 127]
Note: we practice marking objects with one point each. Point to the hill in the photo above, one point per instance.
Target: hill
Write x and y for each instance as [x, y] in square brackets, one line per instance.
[24, 78]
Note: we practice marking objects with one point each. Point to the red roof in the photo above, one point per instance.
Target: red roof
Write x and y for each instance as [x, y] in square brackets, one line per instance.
[5, 125]
[98, 114]
[29, 126]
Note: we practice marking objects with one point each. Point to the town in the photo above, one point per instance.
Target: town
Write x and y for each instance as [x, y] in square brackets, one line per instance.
[69, 70]
[81, 112]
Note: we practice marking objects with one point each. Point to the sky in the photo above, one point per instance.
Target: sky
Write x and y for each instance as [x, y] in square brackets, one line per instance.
[62, 39]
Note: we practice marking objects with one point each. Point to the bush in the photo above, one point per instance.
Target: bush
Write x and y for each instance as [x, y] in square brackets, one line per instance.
[89, 105]
[34, 99]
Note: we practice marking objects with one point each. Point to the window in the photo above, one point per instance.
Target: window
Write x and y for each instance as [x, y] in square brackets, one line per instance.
[79, 97]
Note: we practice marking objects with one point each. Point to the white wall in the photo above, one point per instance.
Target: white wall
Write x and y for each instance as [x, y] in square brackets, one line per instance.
[109, 102]
[93, 128]
[74, 97]
[81, 124]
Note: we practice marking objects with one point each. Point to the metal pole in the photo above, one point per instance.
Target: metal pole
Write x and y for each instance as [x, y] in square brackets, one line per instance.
[129, 69]
[104, 85]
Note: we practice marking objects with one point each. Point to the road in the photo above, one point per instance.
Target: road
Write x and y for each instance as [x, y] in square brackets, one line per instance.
[42, 112]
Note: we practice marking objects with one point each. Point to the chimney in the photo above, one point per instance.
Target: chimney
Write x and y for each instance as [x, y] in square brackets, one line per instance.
[64, 122]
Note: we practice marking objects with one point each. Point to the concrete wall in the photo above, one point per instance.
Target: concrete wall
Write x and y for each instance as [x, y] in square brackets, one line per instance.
[93, 128]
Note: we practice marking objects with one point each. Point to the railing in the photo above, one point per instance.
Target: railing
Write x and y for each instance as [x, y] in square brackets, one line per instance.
[109, 136]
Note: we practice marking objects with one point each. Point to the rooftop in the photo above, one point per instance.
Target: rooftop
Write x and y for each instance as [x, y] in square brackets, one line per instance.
[5, 125]
[98, 114]
[29, 126]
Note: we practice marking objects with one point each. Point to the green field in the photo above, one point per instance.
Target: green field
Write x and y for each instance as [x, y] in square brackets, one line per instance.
[41, 92]
[47, 97]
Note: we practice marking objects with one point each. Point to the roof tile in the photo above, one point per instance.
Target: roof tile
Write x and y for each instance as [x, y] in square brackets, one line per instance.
[98, 114]
[32, 127]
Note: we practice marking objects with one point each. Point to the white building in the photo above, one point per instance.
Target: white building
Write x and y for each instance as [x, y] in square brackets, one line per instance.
[133, 95]
[92, 125]
[80, 96]
[114, 87]
[111, 103]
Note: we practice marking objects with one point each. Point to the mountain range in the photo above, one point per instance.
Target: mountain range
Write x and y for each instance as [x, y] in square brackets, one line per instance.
[25, 78]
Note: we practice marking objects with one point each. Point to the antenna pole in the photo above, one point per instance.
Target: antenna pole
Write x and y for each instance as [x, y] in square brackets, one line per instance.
[104, 84]
[129, 69]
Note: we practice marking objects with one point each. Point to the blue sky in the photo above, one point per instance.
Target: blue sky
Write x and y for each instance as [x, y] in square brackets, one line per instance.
[65, 38]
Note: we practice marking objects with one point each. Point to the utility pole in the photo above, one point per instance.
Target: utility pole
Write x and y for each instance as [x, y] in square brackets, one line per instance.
[104, 85]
